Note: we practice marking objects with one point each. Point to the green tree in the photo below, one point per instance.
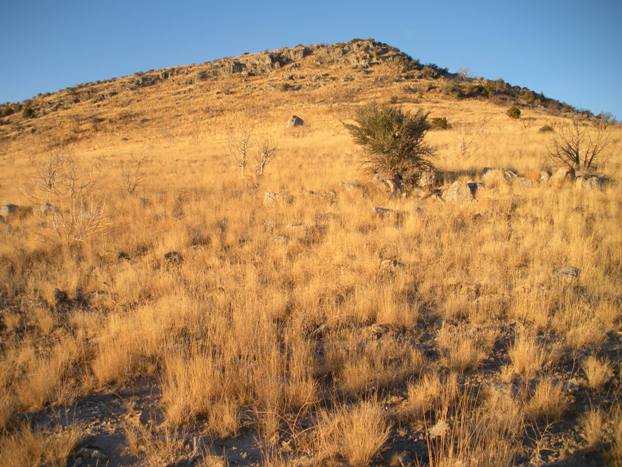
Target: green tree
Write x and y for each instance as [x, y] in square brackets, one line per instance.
[394, 143]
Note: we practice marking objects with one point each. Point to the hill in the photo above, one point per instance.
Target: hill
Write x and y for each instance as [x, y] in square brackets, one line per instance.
[307, 73]
[186, 278]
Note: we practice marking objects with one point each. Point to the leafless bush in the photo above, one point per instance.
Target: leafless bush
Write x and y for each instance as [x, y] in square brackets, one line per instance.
[67, 195]
[132, 174]
[580, 145]
[266, 155]
[241, 145]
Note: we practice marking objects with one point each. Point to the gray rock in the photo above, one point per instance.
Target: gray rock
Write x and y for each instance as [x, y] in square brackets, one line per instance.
[174, 258]
[384, 212]
[497, 177]
[390, 266]
[523, 182]
[544, 176]
[427, 179]
[590, 181]
[561, 177]
[461, 191]
[352, 186]
[47, 208]
[569, 272]
[295, 120]
[8, 209]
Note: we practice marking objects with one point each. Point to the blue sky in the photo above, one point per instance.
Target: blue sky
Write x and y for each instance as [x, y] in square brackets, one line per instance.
[570, 50]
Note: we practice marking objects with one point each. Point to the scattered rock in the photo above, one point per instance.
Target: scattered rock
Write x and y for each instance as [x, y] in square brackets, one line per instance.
[384, 212]
[590, 181]
[61, 299]
[8, 209]
[123, 256]
[460, 191]
[561, 177]
[390, 266]
[173, 258]
[523, 182]
[295, 121]
[88, 456]
[545, 175]
[329, 196]
[354, 186]
[498, 177]
[47, 208]
[569, 272]
[427, 179]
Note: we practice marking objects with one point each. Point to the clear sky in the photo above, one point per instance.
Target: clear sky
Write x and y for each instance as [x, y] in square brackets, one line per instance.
[569, 49]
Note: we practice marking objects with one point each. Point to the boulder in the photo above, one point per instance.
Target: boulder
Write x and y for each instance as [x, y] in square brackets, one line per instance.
[427, 179]
[461, 191]
[590, 181]
[295, 121]
[545, 175]
[497, 177]
[7, 210]
[389, 214]
[13, 210]
[47, 208]
[561, 177]
[568, 272]
[523, 182]
[173, 258]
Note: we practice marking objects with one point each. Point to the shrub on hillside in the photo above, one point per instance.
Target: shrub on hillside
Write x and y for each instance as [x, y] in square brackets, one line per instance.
[28, 112]
[546, 129]
[513, 112]
[394, 142]
[439, 123]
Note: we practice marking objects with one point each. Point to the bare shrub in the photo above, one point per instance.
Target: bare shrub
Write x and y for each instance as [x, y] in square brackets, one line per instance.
[76, 211]
[243, 142]
[579, 145]
[132, 174]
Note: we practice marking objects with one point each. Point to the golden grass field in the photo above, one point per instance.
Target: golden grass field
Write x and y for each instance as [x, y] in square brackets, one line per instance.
[308, 330]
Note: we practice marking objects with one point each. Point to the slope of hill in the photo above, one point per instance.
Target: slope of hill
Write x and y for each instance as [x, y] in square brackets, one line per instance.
[186, 279]
[311, 73]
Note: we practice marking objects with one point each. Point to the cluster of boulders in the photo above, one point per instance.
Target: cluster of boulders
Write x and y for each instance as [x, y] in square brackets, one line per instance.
[10, 211]
[493, 178]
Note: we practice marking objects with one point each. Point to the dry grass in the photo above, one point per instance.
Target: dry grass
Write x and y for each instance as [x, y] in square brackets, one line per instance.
[597, 371]
[28, 447]
[356, 434]
[592, 427]
[276, 310]
[547, 402]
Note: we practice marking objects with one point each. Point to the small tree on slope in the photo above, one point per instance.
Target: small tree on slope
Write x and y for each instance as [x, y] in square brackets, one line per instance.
[394, 143]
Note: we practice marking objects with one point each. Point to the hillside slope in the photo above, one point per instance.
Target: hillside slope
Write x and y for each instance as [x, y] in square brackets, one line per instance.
[166, 299]
[319, 73]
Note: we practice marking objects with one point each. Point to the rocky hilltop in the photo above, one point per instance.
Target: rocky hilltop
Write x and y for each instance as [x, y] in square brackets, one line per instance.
[355, 65]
